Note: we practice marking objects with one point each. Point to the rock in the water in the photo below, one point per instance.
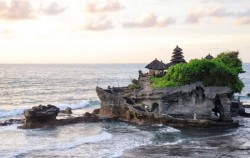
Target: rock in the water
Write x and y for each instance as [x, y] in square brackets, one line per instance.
[10, 122]
[40, 116]
[87, 114]
[170, 106]
[68, 110]
[96, 111]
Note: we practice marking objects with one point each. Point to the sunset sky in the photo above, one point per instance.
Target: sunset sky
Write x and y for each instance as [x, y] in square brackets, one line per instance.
[121, 31]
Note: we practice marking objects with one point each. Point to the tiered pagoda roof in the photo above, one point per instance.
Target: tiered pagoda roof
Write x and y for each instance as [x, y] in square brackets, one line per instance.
[209, 57]
[177, 57]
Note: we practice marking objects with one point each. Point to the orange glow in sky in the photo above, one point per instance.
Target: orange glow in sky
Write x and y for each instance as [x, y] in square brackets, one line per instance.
[120, 31]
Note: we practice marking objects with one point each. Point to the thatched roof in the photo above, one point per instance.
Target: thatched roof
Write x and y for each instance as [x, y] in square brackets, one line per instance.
[156, 65]
[176, 58]
[209, 57]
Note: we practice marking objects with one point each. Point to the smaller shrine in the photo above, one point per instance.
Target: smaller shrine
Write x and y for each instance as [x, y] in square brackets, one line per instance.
[209, 57]
[156, 68]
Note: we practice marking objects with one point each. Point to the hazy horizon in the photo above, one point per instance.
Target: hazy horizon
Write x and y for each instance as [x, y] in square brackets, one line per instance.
[120, 31]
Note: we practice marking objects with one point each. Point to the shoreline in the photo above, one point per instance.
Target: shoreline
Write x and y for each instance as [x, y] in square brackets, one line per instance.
[234, 144]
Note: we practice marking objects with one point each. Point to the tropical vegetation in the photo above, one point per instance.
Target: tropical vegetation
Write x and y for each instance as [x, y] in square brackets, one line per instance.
[223, 70]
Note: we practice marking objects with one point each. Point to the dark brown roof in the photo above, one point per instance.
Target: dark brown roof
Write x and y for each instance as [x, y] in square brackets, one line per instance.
[170, 64]
[177, 57]
[177, 49]
[156, 65]
[209, 57]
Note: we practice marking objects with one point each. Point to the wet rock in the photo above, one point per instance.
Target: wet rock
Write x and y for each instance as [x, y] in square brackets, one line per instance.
[40, 116]
[11, 121]
[68, 110]
[116, 105]
[45, 116]
[87, 114]
[96, 111]
[238, 109]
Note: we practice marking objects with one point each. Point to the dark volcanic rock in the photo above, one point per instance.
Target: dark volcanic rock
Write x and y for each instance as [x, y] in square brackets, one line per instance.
[96, 111]
[237, 109]
[40, 116]
[45, 116]
[68, 110]
[11, 121]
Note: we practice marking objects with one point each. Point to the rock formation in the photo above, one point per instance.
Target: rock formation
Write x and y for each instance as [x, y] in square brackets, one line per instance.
[190, 105]
[68, 111]
[45, 116]
[40, 116]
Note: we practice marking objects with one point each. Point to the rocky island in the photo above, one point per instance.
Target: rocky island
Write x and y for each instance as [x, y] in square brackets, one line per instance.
[189, 104]
[197, 94]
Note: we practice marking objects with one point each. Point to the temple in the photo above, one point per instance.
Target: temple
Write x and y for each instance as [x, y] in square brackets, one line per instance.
[156, 68]
[177, 57]
[209, 57]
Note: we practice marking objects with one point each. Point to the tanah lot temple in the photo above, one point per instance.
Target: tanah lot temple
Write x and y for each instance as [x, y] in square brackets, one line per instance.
[158, 68]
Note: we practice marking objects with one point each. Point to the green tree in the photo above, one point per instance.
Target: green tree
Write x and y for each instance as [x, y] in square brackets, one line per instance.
[231, 59]
[221, 71]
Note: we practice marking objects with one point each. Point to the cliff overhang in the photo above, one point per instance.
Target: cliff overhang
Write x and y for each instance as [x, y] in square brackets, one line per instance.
[191, 105]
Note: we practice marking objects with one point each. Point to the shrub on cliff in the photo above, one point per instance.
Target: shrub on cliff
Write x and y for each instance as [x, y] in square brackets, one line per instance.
[221, 71]
[135, 85]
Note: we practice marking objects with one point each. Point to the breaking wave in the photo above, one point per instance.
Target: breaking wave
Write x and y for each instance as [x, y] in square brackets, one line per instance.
[17, 112]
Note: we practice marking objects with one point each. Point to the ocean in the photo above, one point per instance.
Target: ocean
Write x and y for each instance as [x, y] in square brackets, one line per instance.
[73, 85]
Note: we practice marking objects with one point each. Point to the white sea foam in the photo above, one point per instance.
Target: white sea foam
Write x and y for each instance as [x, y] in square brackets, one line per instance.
[79, 141]
[9, 113]
[168, 130]
[174, 143]
[80, 105]
[17, 112]
[104, 136]
[12, 127]
[129, 141]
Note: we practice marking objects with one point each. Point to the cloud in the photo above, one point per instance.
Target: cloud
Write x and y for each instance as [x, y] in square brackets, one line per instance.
[195, 16]
[101, 23]
[243, 21]
[99, 6]
[16, 10]
[149, 20]
[52, 9]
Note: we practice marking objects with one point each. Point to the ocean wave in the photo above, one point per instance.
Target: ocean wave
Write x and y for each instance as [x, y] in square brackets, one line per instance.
[129, 141]
[92, 139]
[173, 143]
[17, 112]
[62, 146]
[76, 106]
[168, 130]
[10, 113]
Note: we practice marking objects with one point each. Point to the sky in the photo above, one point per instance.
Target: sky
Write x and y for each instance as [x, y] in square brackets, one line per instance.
[120, 31]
